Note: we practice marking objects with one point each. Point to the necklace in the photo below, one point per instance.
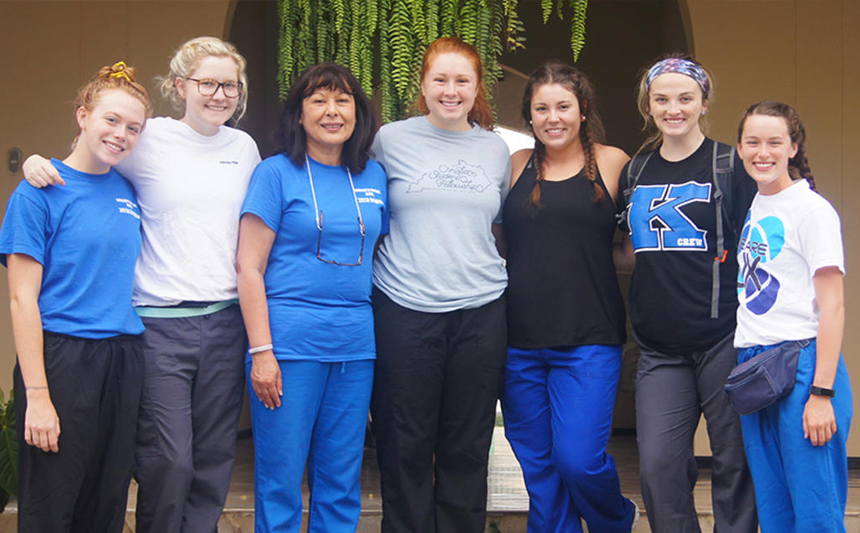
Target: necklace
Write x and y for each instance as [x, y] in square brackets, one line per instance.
[314, 195]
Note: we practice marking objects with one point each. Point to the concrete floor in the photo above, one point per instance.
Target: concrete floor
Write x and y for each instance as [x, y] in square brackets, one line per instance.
[507, 502]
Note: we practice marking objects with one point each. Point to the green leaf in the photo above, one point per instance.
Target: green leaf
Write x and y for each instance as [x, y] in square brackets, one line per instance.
[577, 31]
[9, 460]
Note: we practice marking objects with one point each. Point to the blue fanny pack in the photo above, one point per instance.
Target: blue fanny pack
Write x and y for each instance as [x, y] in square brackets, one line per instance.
[766, 378]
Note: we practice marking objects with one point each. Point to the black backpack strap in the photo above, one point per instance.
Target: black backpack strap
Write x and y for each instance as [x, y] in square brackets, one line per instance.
[634, 170]
[723, 163]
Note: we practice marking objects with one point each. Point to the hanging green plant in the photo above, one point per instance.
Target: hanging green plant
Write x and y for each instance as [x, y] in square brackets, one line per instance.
[382, 41]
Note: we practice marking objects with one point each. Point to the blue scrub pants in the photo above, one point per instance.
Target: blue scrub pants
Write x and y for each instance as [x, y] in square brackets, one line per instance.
[321, 421]
[799, 487]
[558, 405]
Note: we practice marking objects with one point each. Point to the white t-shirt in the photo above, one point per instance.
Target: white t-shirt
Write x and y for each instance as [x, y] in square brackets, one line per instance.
[786, 238]
[190, 188]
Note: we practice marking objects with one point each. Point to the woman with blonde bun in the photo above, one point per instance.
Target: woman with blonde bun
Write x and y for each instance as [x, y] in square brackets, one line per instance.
[71, 254]
[191, 176]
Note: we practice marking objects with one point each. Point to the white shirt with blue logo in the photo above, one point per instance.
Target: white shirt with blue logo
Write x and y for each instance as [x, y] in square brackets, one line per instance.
[786, 238]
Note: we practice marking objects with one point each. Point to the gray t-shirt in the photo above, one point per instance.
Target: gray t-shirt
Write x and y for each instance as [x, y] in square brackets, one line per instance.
[445, 190]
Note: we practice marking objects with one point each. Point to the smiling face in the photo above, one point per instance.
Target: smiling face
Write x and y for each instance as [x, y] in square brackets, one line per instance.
[676, 104]
[109, 130]
[207, 113]
[555, 116]
[328, 118]
[766, 148]
[449, 88]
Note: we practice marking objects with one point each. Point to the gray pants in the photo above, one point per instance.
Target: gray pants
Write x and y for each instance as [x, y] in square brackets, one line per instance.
[671, 394]
[189, 413]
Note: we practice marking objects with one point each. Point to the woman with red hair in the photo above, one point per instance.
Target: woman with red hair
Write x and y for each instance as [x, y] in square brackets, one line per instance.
[438, 300]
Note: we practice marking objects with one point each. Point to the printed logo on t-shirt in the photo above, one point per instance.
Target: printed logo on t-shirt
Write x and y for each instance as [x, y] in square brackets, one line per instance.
[459, 177]
[128, 207]
[656, 221]
[369, 195]
[760, 243]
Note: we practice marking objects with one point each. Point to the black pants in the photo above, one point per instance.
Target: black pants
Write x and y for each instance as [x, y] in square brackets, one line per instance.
[95, 387]
[437, 379]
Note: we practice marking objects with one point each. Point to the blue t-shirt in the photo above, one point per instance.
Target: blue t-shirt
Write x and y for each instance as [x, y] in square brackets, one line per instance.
[317, 310]
[86, 235]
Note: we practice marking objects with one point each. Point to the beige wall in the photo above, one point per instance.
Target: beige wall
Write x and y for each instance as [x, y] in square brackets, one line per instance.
[50, 48]
[806, 53]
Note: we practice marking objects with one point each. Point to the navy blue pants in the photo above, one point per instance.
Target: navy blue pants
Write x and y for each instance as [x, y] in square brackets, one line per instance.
[321, 421]
[558, 405]
[799, 487]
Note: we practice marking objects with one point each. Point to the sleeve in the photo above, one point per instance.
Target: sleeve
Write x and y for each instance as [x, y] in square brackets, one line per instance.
[621, 207]
[265, 195]
[820, 237]
[385, 228]
[376, 149]
[25, 227]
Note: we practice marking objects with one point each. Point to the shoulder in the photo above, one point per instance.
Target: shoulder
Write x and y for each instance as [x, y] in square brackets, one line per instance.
[276, 164]
[610, 160]
[373, 169]
[491, 138]
[236, 135]
[519, 160]
[408, 125]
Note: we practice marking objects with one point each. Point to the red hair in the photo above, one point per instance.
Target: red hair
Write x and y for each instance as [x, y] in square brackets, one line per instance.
[481, 112]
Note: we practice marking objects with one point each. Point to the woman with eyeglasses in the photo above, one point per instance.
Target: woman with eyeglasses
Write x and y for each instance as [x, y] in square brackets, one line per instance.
[190, 176]
[308, 228]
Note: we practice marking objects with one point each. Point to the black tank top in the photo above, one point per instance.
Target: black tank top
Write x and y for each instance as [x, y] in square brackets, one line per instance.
[562, 285]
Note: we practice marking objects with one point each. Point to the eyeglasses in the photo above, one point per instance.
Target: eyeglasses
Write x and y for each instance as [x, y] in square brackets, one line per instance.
[208, 87]
[339, 263]
[319, 219]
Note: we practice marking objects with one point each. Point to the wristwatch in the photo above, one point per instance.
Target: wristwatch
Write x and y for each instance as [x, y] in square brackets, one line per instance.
[821, 391]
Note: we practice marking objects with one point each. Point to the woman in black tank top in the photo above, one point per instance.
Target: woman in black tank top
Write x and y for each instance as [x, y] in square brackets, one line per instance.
[566, 318]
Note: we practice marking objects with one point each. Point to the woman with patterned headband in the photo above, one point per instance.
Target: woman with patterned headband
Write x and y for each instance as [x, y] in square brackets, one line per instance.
[191, 176]
[686, 200]
[71, 253]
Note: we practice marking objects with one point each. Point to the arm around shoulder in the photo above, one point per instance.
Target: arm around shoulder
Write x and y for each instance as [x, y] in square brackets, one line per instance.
[39, 172]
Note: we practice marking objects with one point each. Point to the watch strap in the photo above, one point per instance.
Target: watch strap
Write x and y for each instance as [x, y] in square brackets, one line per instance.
[821, 391]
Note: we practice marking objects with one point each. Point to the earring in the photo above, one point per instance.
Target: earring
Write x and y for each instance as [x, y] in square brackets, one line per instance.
[582, 118]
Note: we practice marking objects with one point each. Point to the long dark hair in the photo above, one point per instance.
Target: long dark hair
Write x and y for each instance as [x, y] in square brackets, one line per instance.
[798, 166]
[590, 130]
[291, 137]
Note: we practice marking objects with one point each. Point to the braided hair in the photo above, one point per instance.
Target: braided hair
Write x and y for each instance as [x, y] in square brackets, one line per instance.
[590, 131]
[798, 166]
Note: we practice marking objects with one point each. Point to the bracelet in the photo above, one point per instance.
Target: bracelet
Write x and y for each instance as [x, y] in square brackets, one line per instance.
[259, 349]
[39, 387]
[821, 391]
